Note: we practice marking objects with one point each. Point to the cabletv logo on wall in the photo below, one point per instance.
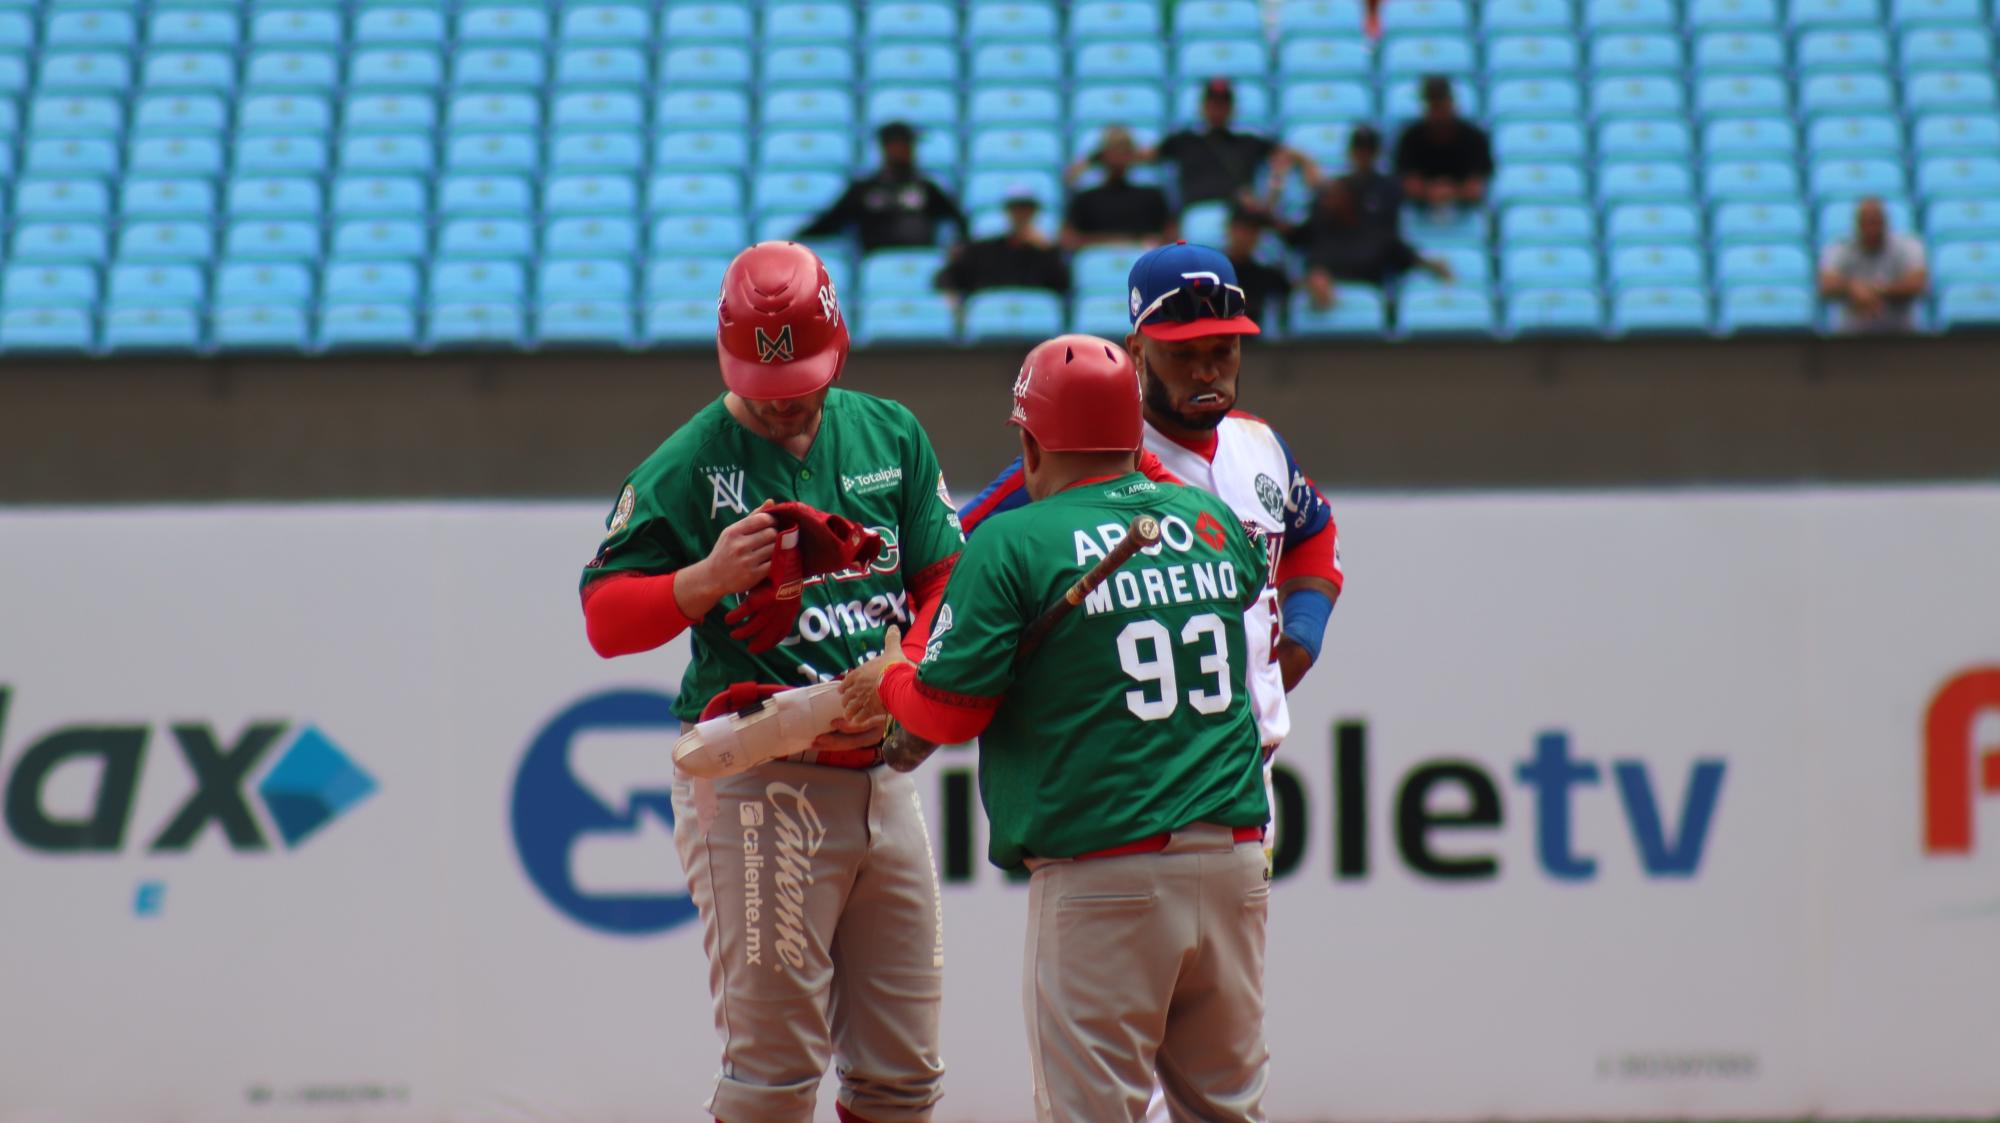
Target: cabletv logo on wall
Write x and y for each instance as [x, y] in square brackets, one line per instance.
[1960, 766]
[73, 789]
[593, 814]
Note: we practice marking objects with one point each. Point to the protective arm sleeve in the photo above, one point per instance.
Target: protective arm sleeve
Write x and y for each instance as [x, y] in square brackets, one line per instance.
[1317, 555]
[934, 715]
[626, 613]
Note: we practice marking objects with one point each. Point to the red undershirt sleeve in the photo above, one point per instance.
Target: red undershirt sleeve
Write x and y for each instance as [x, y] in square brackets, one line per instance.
[926, 591]
[1315, 557]
[934, 715]
[626, 613]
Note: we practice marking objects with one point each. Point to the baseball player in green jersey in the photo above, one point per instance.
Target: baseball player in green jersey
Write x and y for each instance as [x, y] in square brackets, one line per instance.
[813, 874]
[1119, 761]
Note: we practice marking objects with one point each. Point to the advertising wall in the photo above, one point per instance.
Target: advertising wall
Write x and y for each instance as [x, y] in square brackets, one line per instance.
[1610, 805]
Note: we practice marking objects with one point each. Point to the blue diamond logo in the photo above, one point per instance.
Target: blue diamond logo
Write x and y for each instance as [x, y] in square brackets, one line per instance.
[311, 785]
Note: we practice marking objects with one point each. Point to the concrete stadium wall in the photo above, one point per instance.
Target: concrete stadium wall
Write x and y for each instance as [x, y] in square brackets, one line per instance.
[1361, 417]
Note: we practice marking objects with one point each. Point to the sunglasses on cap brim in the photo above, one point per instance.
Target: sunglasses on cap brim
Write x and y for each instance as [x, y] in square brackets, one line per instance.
[1199, 308]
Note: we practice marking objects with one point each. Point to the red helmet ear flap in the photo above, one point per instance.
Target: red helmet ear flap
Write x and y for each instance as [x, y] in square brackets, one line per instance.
[779, 330]
[1079, 393]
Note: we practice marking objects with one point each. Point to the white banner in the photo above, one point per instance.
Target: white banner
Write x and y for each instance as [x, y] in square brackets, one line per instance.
[1673, 805]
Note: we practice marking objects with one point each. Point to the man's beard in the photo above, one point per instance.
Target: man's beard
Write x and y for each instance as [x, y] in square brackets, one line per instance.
[1161, 404]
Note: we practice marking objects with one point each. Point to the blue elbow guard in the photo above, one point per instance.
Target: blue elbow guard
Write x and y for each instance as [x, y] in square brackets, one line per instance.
[1306, 612]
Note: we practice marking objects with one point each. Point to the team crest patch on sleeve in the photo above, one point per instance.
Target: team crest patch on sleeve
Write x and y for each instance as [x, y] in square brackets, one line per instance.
[621, 516]
[1270, 495]
[934, 646]
[944, 497]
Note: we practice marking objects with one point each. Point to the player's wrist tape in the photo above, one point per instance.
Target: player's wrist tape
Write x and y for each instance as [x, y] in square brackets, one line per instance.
[1306, 612]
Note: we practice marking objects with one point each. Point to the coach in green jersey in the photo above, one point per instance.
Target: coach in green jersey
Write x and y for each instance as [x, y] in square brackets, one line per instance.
[812, 873]
[1120, 761]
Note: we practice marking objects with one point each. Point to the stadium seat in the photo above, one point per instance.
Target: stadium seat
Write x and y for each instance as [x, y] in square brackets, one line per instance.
[926, 107]
[1405, 17]
[998, 63]
[804, 23]
[246, 282]
[1542, 16]
[1834, 13]
[900, 272]
[1644, 181]
[597, 68]
[1014, 105]
[1539, 140]
[1546, 225]
[815, 107]
[1444, 310]
[606, 24]
[681, 320]
[591, 236]
[584, 279]
[1324, 141]
[1657, 310]
[1703, 15]
[1193, 18]
[493, 111]
[1652, 223]
[284, 115]
[1109, 61]
[98, 156]
[461, 324]
[1739, 52]
[1538, 183]
[387, 155]
[498, 238]
[269, 240]
[134, 328]
[49, 286]
[607, 151]
[584, 323]
[1761, 308]
[90, 27]
[1012, 314]
[1924, 13]
[913, 62]
[1862, 135]
[1845, 49]
[267, 324]
[1636, 53]
[1958, 306]
[1417, 55]
[1742, 95]
[1637, 95]
[1537, 98]
[84, 72]
[1739, 180]
[286, 70]
[1531, 56]
[496, 153]
[475, 281]
[1847, 92]
[1950, 91]
[1749, 138]
[676, 277]
[253, 196]
[1646, 266]
[1205, 223]
[614, 195]
[37, 329]
[1538, 266]
[800, 191]
[371, 282]
[345, 327]
[498, 67]
[380, 239]
[1644, 139]
[896, 21]
[907, 319]
[61, 199]
[1633, 15]
[1835, 220]
[698, 234]
[1763, 263]
[1959, 176]
[809, 64]
[721, 22]
[58, 243]
[598, 109]
[1011, 23]
[1105, 316]
[1114, 19]
[1962, 218]
[296, 27]
[1553, 311]
[1324, 58]
[1956, 134]
[1854, 178]
[375, 196]
[1143, 106]
[395, 69]
[1927, 48]
[407, 25]
[1358, 310]
[95, 115]
[1325, 101]
[517, 23]
[1016, 148]
[156, 286]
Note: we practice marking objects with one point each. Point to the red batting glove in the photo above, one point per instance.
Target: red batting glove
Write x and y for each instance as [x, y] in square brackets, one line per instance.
[769, 610]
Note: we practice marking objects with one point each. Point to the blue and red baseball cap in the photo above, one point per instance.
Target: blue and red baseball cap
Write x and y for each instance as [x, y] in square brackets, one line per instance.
[1185, 291]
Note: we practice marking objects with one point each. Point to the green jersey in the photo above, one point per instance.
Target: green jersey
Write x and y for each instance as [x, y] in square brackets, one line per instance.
[1134, 717]
[870, 462]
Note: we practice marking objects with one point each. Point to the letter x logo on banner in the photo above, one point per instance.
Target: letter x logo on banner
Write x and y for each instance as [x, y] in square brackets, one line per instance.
[777, 350]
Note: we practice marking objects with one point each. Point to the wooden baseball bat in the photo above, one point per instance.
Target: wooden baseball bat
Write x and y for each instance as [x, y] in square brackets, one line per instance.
[904, 751]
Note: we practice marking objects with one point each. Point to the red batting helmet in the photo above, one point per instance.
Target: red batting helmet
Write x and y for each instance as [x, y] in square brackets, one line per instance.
[779, 332]
[1079, 393]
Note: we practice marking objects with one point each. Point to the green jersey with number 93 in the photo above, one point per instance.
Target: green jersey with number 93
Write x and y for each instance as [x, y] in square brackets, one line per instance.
[1133, 718]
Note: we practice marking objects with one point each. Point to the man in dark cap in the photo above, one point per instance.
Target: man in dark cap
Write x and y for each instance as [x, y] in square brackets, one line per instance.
[1116, 210]
[1022, 258]
[1443, 160]
[895, 206]
[1217, 162]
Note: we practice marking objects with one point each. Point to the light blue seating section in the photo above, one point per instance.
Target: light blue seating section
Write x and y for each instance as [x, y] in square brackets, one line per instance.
[575, 173]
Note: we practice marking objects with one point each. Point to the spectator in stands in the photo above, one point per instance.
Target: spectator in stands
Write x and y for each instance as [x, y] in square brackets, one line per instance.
[896, 206]
[1344, 242]
[1875, 276]
[1116, 210]
[1443, 160]
[1265, 287]
[1220, 163]
[1022, 258]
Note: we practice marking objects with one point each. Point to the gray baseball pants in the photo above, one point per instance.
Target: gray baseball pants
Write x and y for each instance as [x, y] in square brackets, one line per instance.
[820, 915]
[1150, 967]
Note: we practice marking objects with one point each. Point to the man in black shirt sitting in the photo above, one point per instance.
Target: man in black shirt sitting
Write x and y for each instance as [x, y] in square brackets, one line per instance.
[1116, 210]
[1443, 159]
[1343, 242]
[1019, 259]
[1218, 162]
[1265, 287]
[893, 207]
